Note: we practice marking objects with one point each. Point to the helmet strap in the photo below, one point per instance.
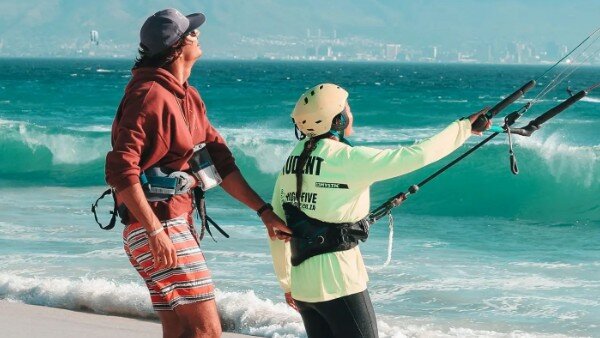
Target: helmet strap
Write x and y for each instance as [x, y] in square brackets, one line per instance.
[299, 135]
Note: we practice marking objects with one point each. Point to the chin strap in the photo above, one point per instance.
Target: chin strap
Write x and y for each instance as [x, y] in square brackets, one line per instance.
[299, 135]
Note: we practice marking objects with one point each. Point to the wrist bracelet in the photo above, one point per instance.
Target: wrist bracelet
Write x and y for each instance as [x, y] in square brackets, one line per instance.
[264, 208]
[156, 232]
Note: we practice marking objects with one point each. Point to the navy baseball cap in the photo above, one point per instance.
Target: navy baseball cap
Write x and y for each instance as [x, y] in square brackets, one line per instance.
[163, 29]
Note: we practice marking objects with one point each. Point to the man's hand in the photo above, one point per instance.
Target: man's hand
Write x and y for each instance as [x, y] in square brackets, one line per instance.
[162, 248]
[163, 251]
[275, 226]
[235, 185]
[290, 301]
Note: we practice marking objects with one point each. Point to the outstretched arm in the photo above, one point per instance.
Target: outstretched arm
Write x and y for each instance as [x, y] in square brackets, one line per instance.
[371, 165]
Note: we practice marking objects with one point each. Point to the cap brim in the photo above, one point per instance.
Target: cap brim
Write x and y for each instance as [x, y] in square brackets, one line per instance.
[196, 20]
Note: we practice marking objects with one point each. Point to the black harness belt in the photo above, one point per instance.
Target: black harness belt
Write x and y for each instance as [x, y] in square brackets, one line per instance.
[314, 237]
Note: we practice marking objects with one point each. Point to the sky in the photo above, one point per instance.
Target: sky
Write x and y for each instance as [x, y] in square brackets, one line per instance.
[41, 27]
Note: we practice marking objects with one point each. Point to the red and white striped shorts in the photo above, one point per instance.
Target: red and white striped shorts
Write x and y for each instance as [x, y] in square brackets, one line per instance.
[189, 282]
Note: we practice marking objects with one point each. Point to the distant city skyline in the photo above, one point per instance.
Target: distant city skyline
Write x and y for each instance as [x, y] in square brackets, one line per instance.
[508, 31]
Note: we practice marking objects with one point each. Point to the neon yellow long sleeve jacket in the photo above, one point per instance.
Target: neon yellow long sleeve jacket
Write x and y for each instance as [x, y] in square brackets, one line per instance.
[335, 188]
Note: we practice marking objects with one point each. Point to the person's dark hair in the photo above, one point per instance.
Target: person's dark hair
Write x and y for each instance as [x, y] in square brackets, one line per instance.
[161, 59]
[309, 147]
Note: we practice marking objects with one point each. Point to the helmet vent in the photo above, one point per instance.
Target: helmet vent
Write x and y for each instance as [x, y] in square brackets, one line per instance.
[312, 93]
[321, 87]
[303, 122]
[305, 100]
[317, 122]
[310, 129]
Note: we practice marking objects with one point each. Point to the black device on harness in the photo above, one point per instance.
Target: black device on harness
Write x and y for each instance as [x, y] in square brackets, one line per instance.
[313, 237]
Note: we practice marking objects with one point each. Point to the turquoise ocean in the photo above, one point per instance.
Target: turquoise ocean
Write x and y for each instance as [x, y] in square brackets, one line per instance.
[478, 252]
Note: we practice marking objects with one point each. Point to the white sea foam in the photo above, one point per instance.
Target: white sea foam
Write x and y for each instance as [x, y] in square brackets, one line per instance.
[238, 254]
[565, 160]
[97, 295]
[540, 307]
[591, 99]
[453, 101]
[242, 312]
[65, 148]
[420, 330]
[268, 148]
[96, 254]
[361, 134]
[92, 128]
[545, 265]
[246, 313]
[393, 135]
[102, 70]
[514, 282]
[8, 123]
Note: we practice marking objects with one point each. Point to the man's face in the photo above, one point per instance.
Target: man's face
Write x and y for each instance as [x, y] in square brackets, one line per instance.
[191, 49]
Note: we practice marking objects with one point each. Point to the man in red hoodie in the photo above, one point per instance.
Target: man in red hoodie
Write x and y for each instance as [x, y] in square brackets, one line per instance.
[159, 121]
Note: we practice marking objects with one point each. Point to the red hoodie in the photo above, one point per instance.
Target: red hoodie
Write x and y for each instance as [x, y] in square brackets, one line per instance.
[151, 129]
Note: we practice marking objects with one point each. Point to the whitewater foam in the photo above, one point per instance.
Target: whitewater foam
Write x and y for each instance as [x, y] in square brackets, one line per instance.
[92, 128]
[242, 312]
[64, 148]
[515, 282]
[548, 265]
[268, 151]
[8, 123]
[576, 163]
[591, 99]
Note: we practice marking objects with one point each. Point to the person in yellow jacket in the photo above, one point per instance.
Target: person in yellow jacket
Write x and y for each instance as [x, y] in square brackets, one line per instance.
[328, 180]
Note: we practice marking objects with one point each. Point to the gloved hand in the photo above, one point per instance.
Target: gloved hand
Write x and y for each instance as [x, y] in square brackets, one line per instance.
[480, 122]
[185, 181]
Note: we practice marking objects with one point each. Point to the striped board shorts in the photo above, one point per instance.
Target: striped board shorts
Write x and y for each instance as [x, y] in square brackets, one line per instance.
[187, 283]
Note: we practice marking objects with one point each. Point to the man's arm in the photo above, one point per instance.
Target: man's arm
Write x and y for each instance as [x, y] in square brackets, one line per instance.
[235, 185]
[138, 131]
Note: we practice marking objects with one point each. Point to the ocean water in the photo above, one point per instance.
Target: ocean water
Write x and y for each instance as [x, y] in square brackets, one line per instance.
[478, 252]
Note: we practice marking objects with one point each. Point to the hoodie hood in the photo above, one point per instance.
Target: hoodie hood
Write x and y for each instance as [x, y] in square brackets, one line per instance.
[164, 78]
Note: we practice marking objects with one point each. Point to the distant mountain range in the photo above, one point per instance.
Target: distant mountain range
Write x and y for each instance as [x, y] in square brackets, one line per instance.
[44, 26]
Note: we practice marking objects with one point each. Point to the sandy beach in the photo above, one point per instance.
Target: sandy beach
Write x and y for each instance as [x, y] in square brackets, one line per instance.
[22, 320]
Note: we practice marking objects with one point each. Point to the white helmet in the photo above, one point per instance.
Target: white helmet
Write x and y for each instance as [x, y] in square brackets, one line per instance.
[315, 111]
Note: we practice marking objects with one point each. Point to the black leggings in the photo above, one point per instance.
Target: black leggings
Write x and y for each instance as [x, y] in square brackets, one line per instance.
[347, 317]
